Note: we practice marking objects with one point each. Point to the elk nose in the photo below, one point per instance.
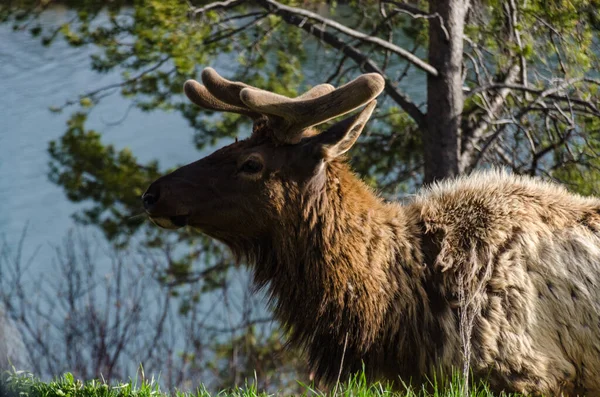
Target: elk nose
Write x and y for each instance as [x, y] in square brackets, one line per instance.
[150, 198]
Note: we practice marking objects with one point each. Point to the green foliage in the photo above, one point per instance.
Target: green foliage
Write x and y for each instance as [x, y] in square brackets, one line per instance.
[18, 383]
[581, 172]
[157, 48]
[549, 30]
[111, 179]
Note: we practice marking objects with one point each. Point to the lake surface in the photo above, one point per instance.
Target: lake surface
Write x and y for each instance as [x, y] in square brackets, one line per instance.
[34, 77]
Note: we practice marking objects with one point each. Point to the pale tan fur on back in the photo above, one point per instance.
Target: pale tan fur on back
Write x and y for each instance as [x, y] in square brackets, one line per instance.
[539, 326]
[379, 283]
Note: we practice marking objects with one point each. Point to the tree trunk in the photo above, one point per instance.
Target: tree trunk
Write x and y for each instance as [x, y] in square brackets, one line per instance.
[444, 92]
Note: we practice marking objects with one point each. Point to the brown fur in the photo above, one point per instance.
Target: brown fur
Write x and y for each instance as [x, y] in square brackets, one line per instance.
[346, 263]
[344, 267]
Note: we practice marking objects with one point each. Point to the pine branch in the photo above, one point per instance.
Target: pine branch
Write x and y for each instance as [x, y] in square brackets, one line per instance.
[366, 63]
[281, 9]
[300, 18]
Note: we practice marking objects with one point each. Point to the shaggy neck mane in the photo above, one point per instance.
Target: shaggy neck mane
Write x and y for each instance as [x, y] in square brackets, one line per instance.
[343, 272]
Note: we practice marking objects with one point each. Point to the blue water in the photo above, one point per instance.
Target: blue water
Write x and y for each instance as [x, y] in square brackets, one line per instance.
[34, 77]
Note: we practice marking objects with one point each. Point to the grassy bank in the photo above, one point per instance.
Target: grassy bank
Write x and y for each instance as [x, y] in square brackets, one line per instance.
[15, 384]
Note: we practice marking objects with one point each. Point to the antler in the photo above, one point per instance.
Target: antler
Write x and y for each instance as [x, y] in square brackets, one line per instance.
[288, 117]
[223, 95]
[200, 95]
[300, 113]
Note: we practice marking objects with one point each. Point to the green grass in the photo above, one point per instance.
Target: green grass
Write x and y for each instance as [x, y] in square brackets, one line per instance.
[19, 384]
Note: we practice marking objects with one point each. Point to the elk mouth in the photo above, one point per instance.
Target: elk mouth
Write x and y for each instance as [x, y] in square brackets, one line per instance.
[170, 222]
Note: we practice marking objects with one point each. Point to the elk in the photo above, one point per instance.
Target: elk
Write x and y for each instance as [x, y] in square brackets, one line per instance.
[386, 285]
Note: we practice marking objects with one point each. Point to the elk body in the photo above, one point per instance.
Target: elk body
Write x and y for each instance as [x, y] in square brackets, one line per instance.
[385, 284]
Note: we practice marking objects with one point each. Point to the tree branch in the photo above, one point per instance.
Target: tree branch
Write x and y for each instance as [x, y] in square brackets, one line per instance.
[472, 136]
[541, 95]
[407, 8]
[547, 93]
[361, 59]
[281, 9]
[94, 93]
[216, 6]
[232, 32]
[298, 17]
[513, 22]
[417, 13]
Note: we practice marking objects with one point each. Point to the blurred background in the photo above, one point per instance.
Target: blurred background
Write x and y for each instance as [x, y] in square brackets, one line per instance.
[92, 111]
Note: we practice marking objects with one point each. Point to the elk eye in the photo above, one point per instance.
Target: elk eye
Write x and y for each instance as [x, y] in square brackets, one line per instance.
[251, 166]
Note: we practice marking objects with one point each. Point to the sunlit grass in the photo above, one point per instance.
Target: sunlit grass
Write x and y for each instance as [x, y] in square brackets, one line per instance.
[20, 384]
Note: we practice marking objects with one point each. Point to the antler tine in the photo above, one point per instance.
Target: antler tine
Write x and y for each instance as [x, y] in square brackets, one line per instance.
[300, 113]
[223, 89]
[200, 96]
[317, 91]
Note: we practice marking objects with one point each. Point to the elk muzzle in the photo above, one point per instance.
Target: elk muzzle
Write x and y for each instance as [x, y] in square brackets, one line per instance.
[158, 210]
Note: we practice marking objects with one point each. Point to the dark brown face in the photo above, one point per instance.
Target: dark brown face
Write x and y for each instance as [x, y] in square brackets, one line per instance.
[242, 190]
[239, 189]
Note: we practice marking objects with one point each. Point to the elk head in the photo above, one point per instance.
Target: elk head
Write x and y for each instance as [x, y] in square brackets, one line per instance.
[241, 190]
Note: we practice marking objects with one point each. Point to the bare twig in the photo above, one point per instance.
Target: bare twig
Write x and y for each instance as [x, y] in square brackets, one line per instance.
[232, 32]
[216, 5]
[407, 8]
[547, 93]
[94, 93]
[417, 13]
[472, 136]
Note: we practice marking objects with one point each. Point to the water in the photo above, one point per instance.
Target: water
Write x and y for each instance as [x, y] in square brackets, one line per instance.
[34, 77]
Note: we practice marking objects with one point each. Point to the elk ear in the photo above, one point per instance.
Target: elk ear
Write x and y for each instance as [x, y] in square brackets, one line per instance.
[340, 137]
